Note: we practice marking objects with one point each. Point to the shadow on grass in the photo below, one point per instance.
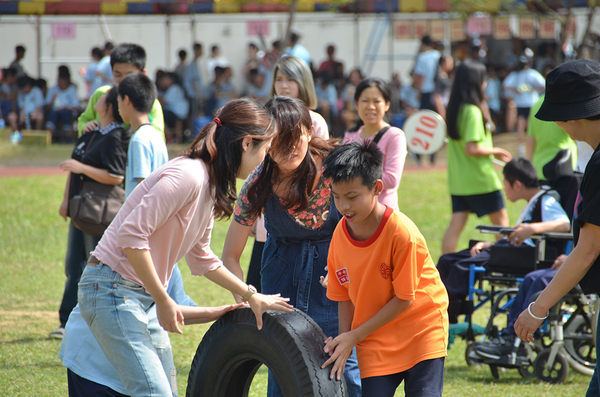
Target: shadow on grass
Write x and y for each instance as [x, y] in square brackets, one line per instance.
[26, 340]
[482, 374]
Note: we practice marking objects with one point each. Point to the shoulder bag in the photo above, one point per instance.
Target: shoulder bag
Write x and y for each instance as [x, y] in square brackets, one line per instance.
[96, 205]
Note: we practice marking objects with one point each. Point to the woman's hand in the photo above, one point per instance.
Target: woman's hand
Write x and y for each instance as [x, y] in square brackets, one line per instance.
[502, 155]
[169, 314]
[72, 166]
[260, 303]
[339, 349]
[63, 210]
[526, 325]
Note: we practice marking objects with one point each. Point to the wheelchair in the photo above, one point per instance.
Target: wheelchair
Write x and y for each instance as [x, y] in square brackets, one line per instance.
[567, 335]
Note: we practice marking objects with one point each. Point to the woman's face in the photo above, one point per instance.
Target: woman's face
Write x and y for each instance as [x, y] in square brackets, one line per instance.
[354, 77]
[371, 106]
[288, 164]
[284, 86]
[252, 156]
[101, 107]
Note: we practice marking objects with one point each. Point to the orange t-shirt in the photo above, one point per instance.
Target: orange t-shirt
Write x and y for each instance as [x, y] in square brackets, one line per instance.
[393, 261]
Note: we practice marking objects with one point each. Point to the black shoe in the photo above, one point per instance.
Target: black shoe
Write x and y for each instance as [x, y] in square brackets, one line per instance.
[502, 346]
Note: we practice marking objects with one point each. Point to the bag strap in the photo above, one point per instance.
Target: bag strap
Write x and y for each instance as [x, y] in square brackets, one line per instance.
[380, 134]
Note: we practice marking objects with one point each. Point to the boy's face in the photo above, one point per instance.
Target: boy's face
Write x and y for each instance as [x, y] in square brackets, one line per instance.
[124, 108]
[27, 89]
[355, 201]
[511, 191]
[121, 70]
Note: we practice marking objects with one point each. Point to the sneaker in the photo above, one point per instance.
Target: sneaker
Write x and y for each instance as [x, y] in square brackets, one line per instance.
[502, 346]
[58, 334]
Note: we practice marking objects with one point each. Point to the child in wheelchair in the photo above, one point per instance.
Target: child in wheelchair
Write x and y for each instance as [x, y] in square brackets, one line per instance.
[543, 213]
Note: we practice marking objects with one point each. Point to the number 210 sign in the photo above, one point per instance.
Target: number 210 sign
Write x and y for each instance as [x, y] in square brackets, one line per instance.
[425, 132]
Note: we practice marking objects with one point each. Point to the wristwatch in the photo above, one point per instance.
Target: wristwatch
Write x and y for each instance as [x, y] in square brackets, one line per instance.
[251, 291]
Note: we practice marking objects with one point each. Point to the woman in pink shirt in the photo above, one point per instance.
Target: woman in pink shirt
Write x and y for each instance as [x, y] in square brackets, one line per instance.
[372, 99]
[170, 215]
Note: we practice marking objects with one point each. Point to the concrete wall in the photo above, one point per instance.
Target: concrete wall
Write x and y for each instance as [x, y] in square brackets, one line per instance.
[163, 40]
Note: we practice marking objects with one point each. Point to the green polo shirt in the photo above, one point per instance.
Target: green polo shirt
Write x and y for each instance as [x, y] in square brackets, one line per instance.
[470, 175]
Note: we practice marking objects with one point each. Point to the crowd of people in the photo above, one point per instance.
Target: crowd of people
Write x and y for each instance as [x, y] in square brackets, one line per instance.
[324, 203]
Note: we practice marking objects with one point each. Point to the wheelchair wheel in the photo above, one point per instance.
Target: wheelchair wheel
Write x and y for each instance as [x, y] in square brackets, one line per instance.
[580, 352]
[528, 371]
[472, 359]
[558, 371]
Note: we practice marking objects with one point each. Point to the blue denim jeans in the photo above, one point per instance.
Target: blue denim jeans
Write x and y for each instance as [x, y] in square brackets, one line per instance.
[79, 246]
[116, 312]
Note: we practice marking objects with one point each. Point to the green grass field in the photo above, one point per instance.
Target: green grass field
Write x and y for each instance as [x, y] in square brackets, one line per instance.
[32, 249]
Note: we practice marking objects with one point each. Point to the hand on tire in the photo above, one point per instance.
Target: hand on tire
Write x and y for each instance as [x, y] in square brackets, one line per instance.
[339, 349]
[169, 314]
[260, 303]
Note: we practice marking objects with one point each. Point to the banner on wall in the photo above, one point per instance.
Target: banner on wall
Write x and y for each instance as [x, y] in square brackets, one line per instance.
[457, 30]
[527, 28]
[62, 31]
[437, 29]
[258, 28]
[547, 28]
[501, 29]
[481, 26]
[403, 30]
[419, 29]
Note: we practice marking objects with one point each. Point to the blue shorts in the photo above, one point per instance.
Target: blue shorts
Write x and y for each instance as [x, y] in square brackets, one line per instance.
[81, 387]
[425, 379]
[480, 204]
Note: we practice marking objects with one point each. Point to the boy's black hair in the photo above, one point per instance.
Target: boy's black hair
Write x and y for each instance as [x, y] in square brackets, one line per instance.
[140, 90]
[129, 53]
[97, 52]
[109, 46]
[355, 160]
[24, 81]
[214, 48]
[182, 54]
[522, 170]
[20, 49]
[9, 72]
[197, 46]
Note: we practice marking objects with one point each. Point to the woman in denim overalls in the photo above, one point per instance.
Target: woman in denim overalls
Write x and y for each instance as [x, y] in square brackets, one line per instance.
[295, 254]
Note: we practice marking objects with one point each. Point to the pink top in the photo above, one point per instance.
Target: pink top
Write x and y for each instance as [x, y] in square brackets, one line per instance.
[393, 146]
[170, 214]
[321, 129]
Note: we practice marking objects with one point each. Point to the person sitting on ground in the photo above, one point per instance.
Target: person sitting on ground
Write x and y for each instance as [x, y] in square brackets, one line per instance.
[30, 102]
[175, 106]
[62, 102]
[542, 214]
[384, 280]
[8, 94]
[125, 59]
[147, 150]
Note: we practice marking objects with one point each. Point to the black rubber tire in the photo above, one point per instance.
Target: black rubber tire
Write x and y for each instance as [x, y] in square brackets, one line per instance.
[557, 373]
[289, 344]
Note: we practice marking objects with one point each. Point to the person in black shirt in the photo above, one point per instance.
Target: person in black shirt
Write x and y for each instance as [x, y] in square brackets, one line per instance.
[100, 156]
[573, 101]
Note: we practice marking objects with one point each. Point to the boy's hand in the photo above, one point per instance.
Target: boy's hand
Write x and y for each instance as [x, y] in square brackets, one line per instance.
[476, 249]
[339, 349]
[502, 155]
[558, 262]
[91, 126]
[324, 280]
[521, 233]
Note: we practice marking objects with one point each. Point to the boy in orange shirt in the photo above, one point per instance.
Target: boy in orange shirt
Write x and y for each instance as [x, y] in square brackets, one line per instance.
[392, 302]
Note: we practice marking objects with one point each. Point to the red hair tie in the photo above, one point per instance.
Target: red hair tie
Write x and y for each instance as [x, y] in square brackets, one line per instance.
[218, 121]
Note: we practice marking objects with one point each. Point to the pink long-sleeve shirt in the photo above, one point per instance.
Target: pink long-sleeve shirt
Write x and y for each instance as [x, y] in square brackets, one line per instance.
[171, 214]
[393, 147]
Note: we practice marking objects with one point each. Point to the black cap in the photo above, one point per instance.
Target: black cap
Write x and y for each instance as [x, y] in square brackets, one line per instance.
[572, 92]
